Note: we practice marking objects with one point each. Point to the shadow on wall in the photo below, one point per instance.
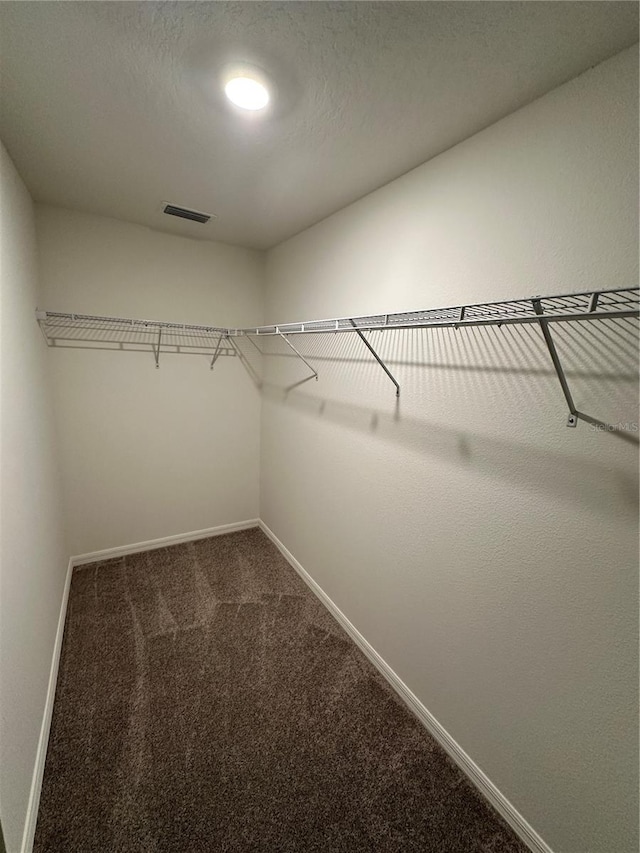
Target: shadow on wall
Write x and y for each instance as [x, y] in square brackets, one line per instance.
[501, 380]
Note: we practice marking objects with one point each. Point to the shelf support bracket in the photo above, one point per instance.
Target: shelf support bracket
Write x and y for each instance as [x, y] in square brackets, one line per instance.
[217, 352]
[314, 373]
[156, 351]
[377, 357]
[572, 419]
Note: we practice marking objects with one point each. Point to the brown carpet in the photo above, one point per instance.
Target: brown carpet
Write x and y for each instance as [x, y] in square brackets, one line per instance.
[208, 702]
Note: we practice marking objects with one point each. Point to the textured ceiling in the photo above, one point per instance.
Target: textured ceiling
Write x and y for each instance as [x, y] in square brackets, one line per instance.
[114, 107]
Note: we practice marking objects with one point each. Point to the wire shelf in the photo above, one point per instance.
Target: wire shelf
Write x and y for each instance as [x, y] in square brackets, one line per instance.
[85, 330]
[598, 305]
[605, 304]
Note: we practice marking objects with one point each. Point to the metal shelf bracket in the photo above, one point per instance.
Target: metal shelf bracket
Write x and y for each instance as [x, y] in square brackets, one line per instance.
[156, 350]
[377, 357]
[572, 419]
[314, 373]
[217, 352]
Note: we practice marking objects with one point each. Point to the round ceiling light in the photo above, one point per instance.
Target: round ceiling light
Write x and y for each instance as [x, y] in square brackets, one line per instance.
[247, 93]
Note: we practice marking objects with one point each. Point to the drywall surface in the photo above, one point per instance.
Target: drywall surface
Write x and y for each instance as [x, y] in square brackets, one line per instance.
[147, 452]
[33, 556]
[487, 552]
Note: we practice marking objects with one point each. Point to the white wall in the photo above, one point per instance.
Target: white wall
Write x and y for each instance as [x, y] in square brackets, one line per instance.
[150, 453]
[486, 551]
[33, 556]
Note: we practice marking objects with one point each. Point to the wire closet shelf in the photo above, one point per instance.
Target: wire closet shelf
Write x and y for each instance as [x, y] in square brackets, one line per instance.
[594, 305]
[599, 305]
[85, 330]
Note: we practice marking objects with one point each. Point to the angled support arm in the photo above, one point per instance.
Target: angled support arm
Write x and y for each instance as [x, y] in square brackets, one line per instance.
[377, 357]
[574, 414]
[314, 373]
[217, 352]
[156, 349]
[572, 420]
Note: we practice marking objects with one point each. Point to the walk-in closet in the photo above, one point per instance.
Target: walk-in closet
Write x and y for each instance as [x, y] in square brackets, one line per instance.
[319, 427]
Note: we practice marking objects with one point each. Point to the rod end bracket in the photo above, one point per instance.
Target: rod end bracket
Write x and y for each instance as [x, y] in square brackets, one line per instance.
[572, 420]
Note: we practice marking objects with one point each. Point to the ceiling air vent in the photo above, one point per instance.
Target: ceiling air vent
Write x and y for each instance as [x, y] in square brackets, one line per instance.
[184, 213]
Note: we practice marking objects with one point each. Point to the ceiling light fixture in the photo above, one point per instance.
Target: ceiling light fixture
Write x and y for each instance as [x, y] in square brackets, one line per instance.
[247, 93]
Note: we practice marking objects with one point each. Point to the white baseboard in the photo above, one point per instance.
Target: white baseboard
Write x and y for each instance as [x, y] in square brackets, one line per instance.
[120, 551]
[43, 741]
[501, 804]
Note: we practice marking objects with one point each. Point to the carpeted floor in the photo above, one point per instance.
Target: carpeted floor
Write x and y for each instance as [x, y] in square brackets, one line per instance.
[207, 701]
